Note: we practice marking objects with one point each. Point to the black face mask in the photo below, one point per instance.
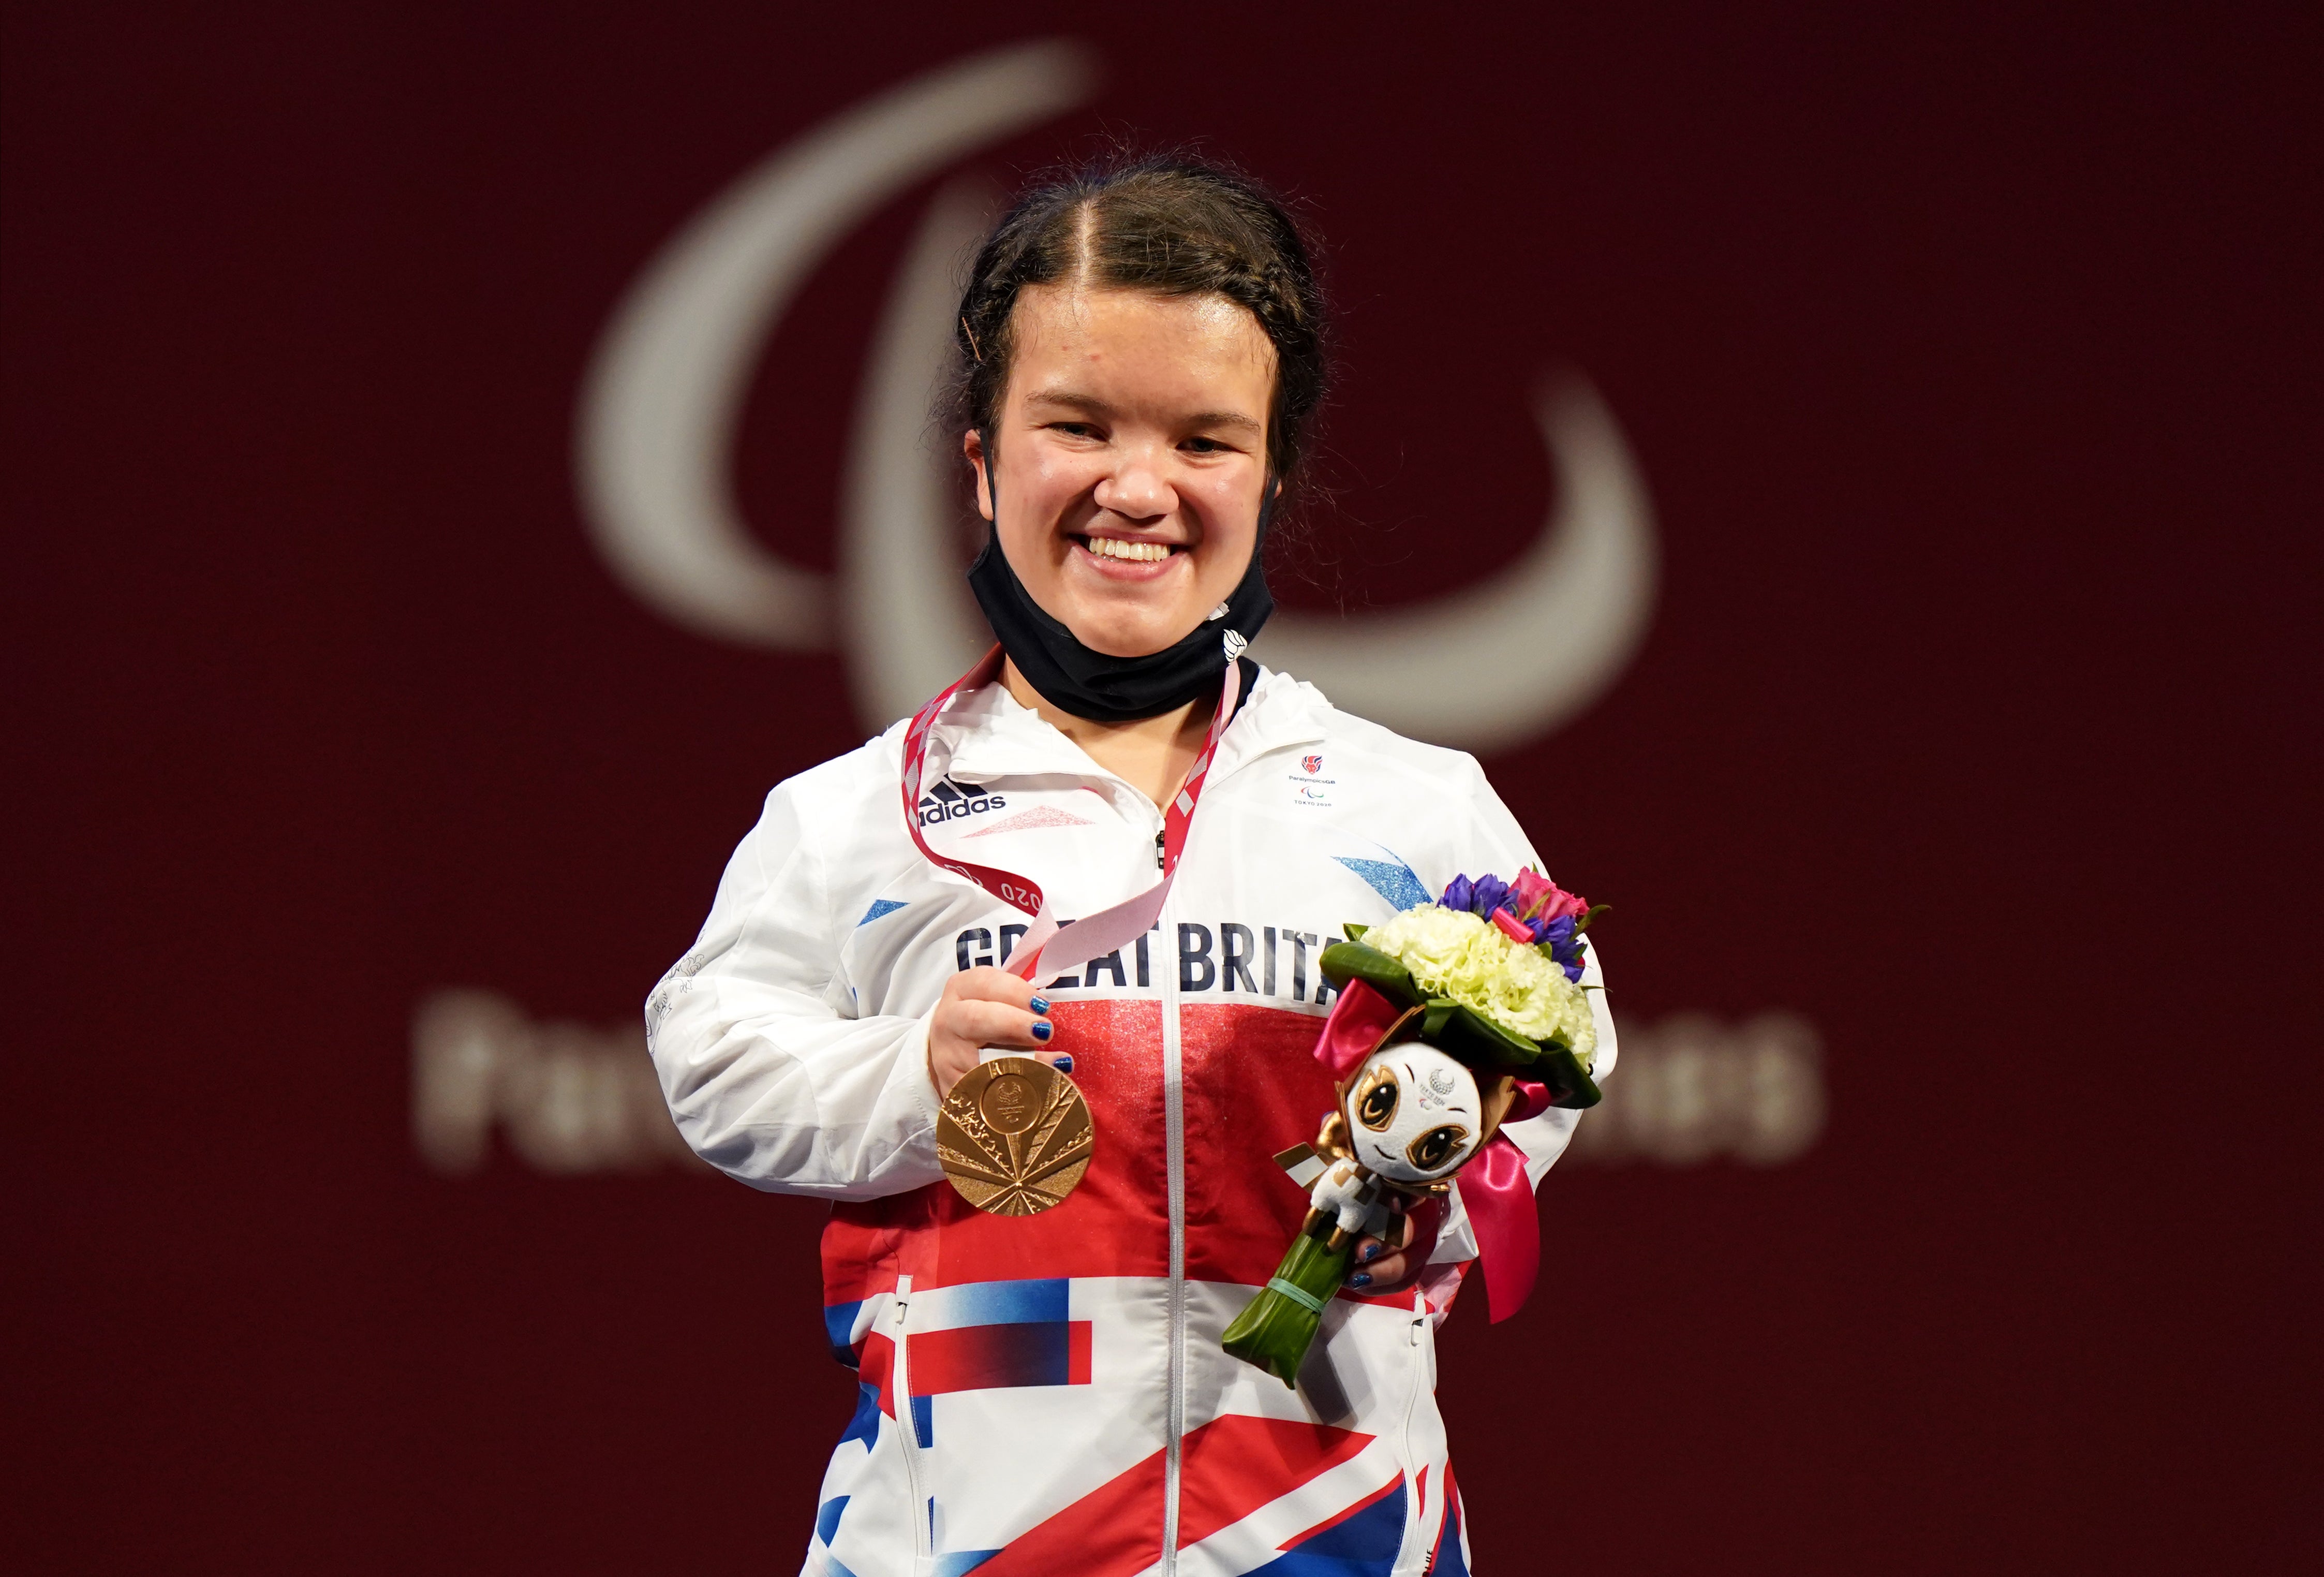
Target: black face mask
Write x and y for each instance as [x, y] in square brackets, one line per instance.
[1116, 690]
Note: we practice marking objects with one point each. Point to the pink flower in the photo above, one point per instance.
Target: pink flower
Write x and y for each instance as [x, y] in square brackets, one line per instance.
[1535, 896]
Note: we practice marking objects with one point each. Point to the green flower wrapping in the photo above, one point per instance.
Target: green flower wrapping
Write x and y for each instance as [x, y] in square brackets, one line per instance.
[1276, 1328]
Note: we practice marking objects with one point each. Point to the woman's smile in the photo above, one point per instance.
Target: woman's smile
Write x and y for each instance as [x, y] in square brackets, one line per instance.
[1131, 549]
[1131, 560]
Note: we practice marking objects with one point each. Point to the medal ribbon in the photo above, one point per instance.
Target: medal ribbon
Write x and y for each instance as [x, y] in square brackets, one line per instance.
[1072, 945]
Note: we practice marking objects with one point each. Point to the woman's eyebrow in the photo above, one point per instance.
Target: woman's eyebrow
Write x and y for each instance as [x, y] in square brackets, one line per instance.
[1088, 404]
[1091, 405]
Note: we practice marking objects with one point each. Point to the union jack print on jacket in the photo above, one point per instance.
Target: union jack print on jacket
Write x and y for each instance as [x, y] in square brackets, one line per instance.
[1047, 1394]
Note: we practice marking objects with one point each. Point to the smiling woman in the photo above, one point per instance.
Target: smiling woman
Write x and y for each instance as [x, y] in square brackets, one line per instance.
[1141, 351]
[1146, 342]
[1136, 426]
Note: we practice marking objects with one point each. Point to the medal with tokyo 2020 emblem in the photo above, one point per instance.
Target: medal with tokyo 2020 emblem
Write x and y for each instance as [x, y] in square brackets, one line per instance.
[1014, 1136]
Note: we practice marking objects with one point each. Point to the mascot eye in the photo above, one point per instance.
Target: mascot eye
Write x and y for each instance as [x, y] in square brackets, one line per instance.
[1434, 1148]
[1376, 1104]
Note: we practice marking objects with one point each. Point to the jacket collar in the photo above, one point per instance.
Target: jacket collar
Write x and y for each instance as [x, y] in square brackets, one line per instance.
[989, 733]
[1282, 711]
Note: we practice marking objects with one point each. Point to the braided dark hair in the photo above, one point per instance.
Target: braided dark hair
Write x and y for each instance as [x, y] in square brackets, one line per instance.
[1172, 223]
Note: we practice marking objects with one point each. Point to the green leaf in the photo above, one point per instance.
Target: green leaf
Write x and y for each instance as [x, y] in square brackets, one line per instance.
[1497, 1045]
[1343, 961]
[1569, 1087]
[1594, 910]
[1355, 932]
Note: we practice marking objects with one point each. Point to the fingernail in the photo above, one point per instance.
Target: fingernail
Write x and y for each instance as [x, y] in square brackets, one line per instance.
[1040, 1004]
[1371, 1252]
[1360, 1278]
[1064, 1062]
[1043, 1029]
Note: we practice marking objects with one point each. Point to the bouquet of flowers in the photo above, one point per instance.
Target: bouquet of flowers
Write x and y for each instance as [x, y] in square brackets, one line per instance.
[1454, 1018]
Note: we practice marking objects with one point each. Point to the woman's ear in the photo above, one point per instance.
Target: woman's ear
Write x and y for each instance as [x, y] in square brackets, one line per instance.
[972, 444]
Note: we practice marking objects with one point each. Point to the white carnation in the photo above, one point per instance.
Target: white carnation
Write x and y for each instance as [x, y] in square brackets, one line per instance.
[1453, 953]
[1432, 942]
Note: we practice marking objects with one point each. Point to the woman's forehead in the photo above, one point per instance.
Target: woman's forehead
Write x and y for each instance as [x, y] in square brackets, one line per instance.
[1074, 340]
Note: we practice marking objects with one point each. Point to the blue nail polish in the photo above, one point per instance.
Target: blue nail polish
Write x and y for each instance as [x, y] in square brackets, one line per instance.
[1043, 1029]
[1064, 1063]
[1040, 1004]
[1371, 1252]
[1360, 1278]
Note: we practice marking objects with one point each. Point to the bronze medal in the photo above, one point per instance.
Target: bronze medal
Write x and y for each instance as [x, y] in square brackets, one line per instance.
[1015, 1135]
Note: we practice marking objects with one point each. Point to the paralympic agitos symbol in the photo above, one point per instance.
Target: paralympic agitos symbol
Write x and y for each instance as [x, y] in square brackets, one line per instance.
[663, 395]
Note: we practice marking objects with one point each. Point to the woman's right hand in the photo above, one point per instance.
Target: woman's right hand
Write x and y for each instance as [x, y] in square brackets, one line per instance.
[988, 1007]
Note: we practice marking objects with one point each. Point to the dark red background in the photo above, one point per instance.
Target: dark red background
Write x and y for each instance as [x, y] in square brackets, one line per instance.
[1970, 354]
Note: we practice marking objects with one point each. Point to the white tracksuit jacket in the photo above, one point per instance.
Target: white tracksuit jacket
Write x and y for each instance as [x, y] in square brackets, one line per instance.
[1047, 1394]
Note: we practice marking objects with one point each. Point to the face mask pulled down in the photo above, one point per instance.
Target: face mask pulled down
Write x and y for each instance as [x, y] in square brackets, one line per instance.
[1116, 690]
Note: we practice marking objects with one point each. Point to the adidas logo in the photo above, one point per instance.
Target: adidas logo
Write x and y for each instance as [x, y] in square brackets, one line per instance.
[952, 800]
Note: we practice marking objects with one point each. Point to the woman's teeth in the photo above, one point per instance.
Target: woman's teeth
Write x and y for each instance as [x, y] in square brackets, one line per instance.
[1115, 547]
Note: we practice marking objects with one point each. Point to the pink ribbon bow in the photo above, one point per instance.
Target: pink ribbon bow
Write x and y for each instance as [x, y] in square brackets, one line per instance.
[1493, 1185]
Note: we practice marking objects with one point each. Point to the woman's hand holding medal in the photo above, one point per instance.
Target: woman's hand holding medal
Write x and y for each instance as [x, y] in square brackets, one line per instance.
[1014, 1135]
[988, 1007]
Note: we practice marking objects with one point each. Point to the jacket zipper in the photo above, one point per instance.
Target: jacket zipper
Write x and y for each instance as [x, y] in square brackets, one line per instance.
[1421, 1381]
[899, 1381]
[1174, 1117]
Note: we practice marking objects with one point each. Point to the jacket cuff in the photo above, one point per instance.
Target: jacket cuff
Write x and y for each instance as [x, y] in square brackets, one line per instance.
[911, 1103]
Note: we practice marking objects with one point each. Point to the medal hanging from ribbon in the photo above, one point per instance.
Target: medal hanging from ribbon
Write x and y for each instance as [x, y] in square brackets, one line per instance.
[1015, 1135]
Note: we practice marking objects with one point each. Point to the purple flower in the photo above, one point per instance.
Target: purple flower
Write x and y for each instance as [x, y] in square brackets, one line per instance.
[1533, 903]
[1480, 896]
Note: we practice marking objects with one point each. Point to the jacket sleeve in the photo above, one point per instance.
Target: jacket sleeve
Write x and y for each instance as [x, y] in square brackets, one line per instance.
[770, 1074]
[1501, 848]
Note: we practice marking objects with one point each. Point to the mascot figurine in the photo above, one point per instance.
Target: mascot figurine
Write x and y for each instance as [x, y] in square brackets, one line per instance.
[1453, 1019]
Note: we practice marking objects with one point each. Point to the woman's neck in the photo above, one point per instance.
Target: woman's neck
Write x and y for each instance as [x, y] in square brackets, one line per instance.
[1151, 754]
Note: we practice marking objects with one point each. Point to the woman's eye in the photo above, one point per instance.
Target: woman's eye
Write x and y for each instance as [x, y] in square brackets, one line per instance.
[1206, 446]
[1077, 429]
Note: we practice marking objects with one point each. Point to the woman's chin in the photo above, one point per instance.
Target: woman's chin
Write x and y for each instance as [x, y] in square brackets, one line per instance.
[1118, 644]
[1121, 616]
[1129, 632]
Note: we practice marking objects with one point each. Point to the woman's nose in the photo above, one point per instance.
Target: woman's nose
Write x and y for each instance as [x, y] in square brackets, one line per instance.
[1136, 490]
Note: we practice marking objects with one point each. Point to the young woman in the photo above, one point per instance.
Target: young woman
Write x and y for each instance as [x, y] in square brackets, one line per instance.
[1141, 352]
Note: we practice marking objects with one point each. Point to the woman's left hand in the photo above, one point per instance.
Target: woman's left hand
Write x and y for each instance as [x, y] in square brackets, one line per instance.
[1390, 1262]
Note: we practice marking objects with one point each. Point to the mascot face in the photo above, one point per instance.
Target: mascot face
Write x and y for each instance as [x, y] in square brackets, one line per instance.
[1414, 1113]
